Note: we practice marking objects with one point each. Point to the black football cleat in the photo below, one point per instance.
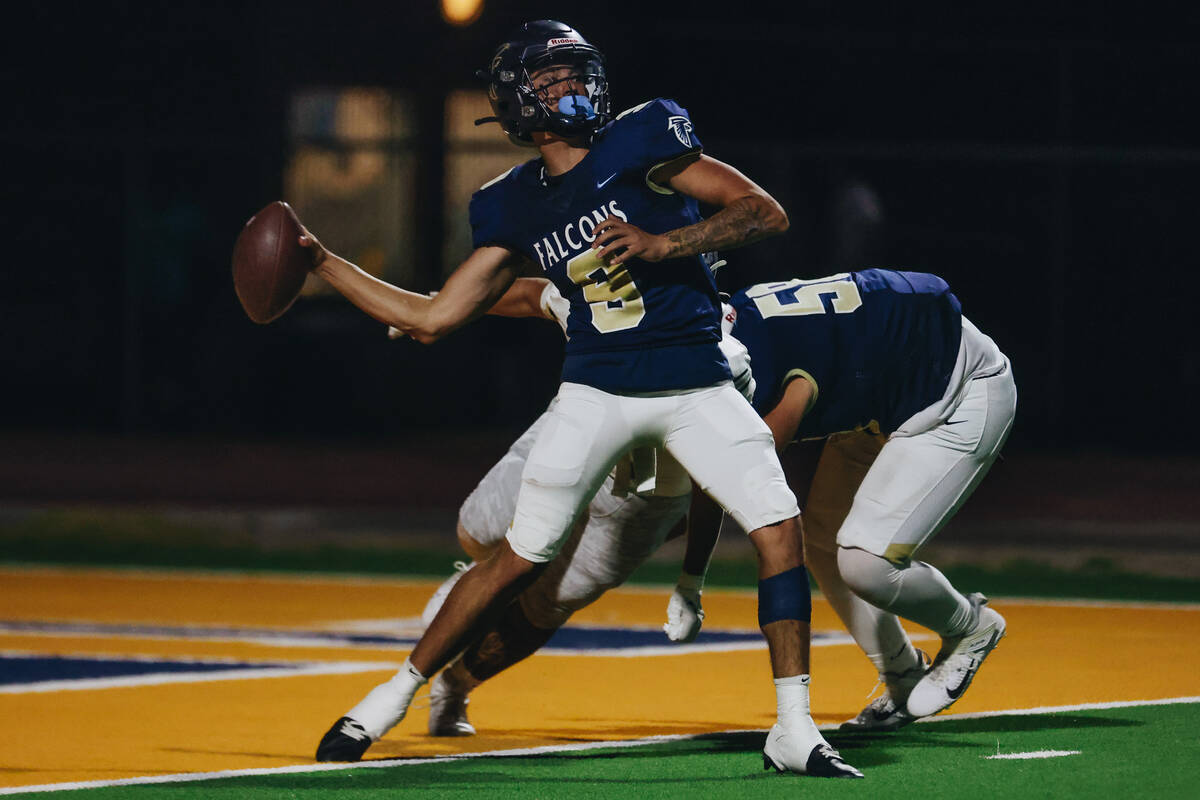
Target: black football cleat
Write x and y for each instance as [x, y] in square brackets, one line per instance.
[345, 741]
[825, 762]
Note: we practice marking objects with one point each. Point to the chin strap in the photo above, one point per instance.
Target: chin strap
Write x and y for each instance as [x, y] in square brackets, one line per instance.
[486, 120]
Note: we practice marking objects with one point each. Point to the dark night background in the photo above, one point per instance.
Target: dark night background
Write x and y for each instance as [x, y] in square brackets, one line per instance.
[1043, 159]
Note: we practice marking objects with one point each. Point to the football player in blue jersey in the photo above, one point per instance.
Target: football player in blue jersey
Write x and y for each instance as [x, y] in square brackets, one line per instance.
[609, 211]
[916, 403]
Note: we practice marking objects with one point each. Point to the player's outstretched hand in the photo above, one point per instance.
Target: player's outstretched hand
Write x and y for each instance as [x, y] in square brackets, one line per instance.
[316, 250]
[618, 241]
[684, 612]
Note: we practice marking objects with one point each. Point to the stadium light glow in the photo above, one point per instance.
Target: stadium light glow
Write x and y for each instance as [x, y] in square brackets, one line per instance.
[461, 12]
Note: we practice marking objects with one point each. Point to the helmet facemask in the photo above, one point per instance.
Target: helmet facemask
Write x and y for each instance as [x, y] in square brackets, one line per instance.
[570, 94]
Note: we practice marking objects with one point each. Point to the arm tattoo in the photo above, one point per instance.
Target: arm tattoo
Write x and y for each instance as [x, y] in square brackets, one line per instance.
[741, 222]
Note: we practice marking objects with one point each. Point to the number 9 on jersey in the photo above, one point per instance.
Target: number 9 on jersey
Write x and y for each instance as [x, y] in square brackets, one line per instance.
[610, 292]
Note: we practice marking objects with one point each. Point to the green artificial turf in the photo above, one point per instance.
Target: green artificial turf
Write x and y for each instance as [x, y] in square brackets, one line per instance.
[1145, 751]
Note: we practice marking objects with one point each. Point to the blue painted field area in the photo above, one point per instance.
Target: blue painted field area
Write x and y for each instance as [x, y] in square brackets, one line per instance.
[568, 639]
[17, 669]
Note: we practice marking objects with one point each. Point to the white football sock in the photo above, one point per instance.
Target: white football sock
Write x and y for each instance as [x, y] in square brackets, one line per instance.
[792, 709]
[918, 592]
[877, 632]
[387, 703]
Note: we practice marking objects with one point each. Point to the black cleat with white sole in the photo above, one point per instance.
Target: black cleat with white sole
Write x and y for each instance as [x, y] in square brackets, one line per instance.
[825, 762]
[345, 741]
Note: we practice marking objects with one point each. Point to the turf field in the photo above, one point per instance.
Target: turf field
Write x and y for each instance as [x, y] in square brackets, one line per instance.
[137, 676]
[1143, 751]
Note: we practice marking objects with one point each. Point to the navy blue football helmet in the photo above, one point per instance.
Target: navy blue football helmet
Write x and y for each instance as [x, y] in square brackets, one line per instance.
[521, 108]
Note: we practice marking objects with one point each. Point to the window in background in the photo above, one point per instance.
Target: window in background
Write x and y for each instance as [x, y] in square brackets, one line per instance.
[474, 155]
[350, 176]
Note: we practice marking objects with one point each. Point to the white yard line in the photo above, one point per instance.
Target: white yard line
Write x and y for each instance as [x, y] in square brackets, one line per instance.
[1083, 603]
[533, 751]
[1034, 754]
[1168, 701]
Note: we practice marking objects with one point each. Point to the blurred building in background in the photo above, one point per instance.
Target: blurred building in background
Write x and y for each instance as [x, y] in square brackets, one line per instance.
[1043, 162]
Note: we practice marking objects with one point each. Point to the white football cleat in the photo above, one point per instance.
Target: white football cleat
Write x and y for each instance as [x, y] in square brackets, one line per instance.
[957, 662]
[440, 594]
[791, 752]
[448, 710]
[889, 712]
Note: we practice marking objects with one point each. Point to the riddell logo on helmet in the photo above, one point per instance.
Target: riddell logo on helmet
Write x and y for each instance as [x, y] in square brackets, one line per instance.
[556, 42]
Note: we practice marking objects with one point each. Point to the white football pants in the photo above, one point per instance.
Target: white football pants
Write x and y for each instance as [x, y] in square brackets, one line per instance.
[617, 535]
[888, 498]
[712, 432]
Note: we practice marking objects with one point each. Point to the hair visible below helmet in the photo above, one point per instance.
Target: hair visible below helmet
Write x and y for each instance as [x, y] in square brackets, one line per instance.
[515, 101]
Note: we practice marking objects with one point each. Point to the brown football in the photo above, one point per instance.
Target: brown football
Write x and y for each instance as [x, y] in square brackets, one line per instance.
[269, 265]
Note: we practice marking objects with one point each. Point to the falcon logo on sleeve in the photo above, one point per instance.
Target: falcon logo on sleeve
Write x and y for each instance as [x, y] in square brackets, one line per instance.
[682, 126]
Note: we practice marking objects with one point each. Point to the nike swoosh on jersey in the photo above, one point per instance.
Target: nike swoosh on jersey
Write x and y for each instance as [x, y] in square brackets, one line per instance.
[601, 184]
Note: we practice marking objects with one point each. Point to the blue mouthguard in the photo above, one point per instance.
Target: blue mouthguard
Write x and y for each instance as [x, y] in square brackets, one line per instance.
[574, 105]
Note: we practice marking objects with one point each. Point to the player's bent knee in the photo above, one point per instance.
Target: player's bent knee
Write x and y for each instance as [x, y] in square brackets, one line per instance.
[473, 547]
[871, 577]
[779, 547]
[543, 611]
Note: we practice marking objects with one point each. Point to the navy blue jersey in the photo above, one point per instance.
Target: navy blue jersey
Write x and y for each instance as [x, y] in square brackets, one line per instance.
[878, 345]
[634, 327]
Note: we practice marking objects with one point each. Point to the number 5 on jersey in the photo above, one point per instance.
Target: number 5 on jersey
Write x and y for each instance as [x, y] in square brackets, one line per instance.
[610, 292]
[837, 294]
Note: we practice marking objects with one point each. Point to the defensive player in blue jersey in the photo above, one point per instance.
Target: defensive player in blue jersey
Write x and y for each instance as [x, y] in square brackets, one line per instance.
[609, 211]
[917, 404]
